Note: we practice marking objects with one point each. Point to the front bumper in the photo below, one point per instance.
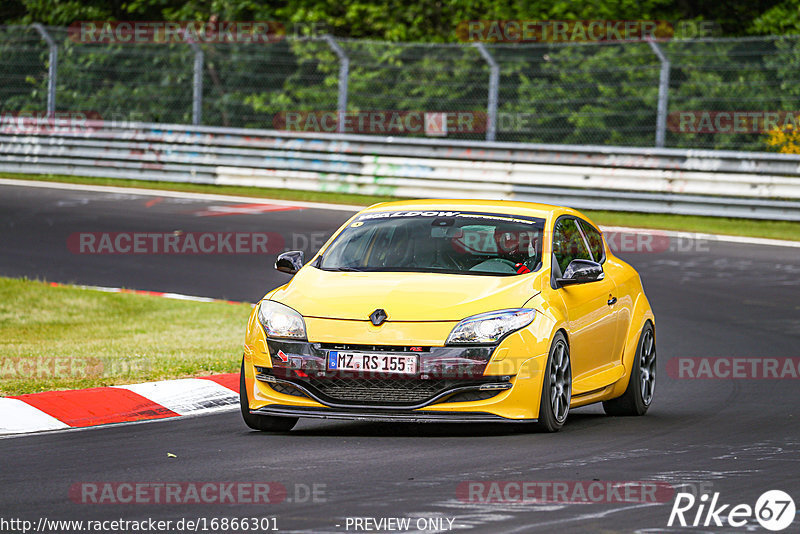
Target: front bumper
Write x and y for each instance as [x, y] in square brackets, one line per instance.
[290, 378]
[445, 374]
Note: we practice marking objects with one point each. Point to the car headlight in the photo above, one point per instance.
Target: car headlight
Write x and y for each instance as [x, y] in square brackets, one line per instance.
[281, 321]
[490, 327]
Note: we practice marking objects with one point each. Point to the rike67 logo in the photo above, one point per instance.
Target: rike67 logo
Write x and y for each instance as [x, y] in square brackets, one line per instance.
[774, 510]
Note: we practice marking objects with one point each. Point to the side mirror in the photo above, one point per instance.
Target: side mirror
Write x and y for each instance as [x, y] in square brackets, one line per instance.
[289, 262]
[581, 272]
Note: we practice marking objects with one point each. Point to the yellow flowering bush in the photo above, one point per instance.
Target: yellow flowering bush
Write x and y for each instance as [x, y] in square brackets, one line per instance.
[785, 140]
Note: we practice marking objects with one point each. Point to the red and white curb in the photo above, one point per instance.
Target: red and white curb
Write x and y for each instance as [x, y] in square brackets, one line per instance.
[59, 410]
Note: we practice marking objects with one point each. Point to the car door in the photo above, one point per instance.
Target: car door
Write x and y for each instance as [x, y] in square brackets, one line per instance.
[611, 268]
[589, 308]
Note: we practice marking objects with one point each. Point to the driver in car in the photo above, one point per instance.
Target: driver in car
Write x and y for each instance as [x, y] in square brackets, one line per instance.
[516, 247]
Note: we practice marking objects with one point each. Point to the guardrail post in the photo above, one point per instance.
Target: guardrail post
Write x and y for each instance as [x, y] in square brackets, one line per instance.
[663, 94]
[344, 75]
[197, 84]
[494, 84]
[51, 70]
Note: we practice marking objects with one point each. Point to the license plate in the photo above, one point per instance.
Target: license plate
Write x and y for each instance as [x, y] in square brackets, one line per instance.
[379, 363]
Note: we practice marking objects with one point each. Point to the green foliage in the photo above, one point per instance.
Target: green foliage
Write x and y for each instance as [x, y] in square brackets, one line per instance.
[420, 20]
[781, 19]
[551, 93]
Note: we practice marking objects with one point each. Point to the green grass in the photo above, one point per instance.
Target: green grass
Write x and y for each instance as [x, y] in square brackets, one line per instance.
[688, 223]
[68, 338]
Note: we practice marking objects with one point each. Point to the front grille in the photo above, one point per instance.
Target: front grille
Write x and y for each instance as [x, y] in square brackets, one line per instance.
[374, 390]
[378, 390]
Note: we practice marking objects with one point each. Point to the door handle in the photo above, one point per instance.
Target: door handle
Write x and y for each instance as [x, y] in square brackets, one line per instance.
[612, 301]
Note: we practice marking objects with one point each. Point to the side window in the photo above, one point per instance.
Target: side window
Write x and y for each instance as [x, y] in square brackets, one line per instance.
[595, 240]
[568, 243]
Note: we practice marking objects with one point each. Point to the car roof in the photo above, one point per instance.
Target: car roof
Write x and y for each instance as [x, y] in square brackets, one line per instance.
[506, 207]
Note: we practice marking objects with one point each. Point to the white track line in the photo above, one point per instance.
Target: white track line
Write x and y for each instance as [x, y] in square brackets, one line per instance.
[211, 197]
[345, 207]
[148, 293]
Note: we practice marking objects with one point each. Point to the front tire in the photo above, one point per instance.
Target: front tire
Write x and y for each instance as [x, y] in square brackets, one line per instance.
[556, 387]
[641, 386]
[264, 423]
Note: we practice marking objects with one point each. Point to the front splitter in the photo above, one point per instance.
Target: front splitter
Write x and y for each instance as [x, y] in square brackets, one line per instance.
[384, 416]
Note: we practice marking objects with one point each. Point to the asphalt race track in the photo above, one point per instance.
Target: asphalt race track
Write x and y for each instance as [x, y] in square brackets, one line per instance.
[738, 437]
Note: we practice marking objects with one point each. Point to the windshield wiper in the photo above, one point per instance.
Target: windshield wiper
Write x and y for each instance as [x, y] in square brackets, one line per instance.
[347, 269]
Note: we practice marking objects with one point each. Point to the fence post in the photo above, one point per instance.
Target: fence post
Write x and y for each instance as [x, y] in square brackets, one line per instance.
[663, 95]
[197, 84]
[494, 83]
[344, 74]
[51, 71]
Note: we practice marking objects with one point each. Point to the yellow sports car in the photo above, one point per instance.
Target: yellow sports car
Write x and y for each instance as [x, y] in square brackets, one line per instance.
[451, 310]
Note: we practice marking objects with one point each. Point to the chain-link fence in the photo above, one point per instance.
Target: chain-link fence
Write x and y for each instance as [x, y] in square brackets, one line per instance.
[706, 93]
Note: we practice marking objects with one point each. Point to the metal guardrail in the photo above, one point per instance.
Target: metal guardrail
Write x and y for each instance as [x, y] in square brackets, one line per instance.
[715, 183]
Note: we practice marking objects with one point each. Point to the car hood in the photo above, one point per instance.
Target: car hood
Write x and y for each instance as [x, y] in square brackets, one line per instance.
[404, 296]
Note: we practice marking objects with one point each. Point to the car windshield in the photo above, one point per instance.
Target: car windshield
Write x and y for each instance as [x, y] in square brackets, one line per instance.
[438, 241]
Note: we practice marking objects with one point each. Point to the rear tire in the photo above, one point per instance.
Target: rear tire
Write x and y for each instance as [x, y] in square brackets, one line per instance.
[264, 423]
[639, 394]
[556, 387]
